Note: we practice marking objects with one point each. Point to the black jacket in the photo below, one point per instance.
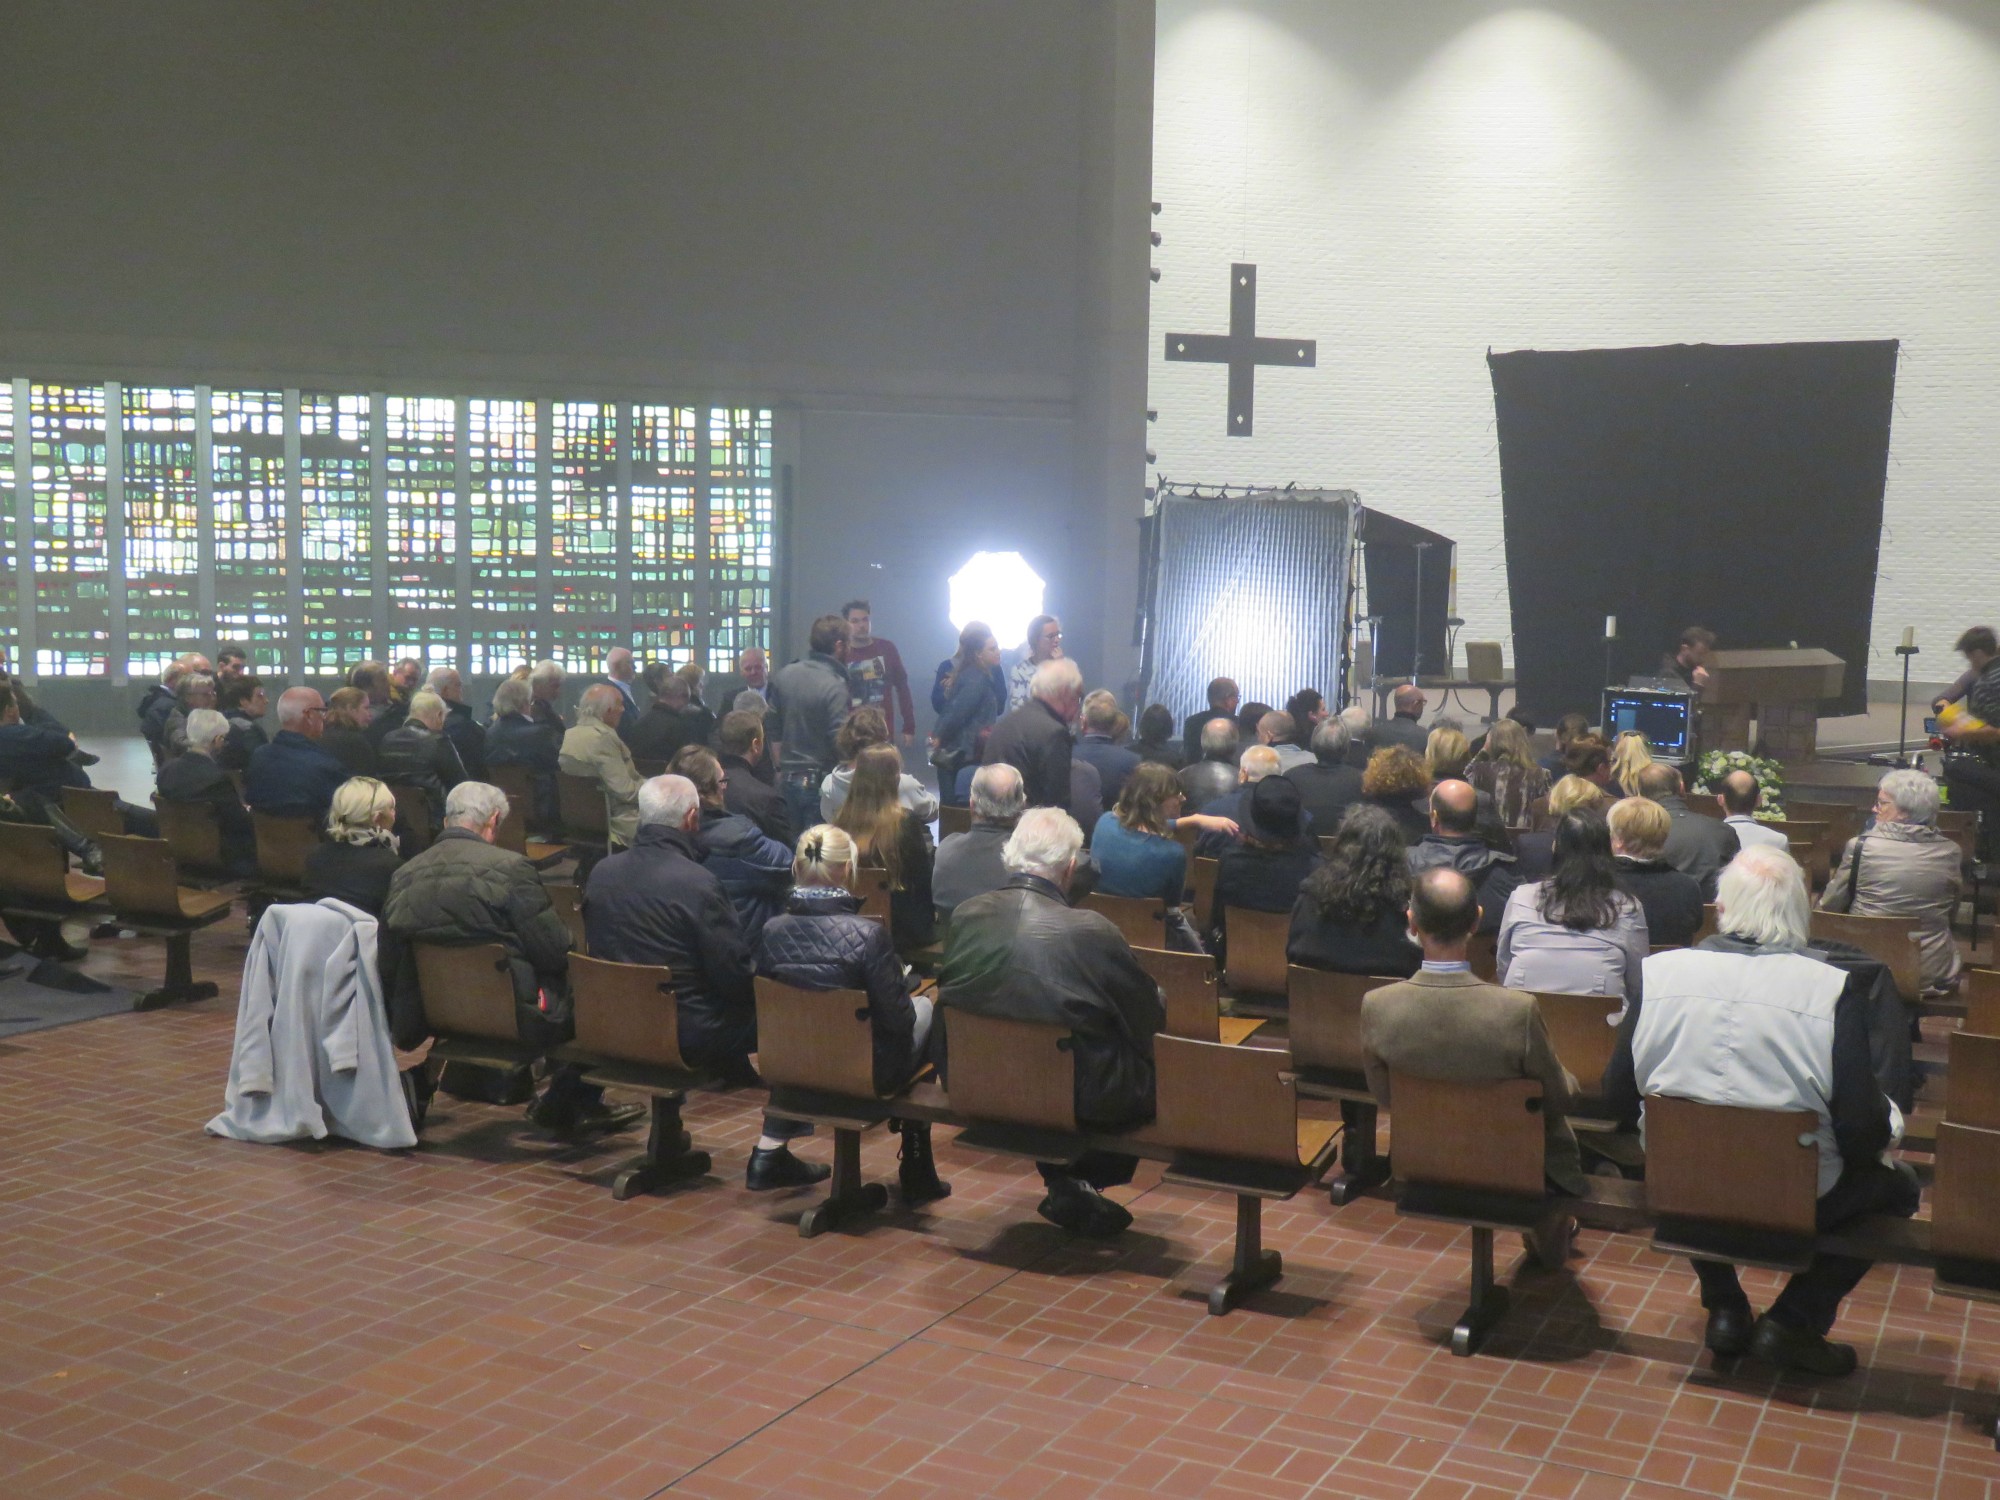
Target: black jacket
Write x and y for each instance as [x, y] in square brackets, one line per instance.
[293, 777]
[1316, 941]
[246, 736]
[1113, 763]
[1697, 845]
[1494, 876]
[1022, 953]
[412, 755]
[1191, 728]
[912, 917]
[1036, 743]
[1399, 729]
[197, 778]
[352, 748]
[655, 904]
[821, 942]
[755, 871]
[1168, 753]
[37, 760]
[359, 874]
[467, 738]
[749, 796]
[1670, 900]
[660, 732]
[1327, 792]
[1259, 877]
[1415, 825]
[518, 740]
[386, 718]
[1202, 781]
[463, 890]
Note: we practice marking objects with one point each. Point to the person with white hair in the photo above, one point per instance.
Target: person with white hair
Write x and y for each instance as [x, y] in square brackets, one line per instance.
[358, 859]
[416, 753]
[516, 738]
[466, 889]
[460, 727]
[197, 690]
[657, 903]
[1023, 953]
[1751, 1018]
[1214, 771]
[545, 685]
[621, 670]
[161, 693]
[1904, 866]
[1330, 785]
[1035, 738]
[594, 749]
[295, 776]
[968, 864]
[198, 777]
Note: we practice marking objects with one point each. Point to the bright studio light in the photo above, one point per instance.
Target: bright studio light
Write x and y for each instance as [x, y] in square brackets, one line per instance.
[999, 589]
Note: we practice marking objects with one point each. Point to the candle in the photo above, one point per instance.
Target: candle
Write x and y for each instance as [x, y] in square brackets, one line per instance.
[1451, 607]
[1909, 636]
[1610, 627]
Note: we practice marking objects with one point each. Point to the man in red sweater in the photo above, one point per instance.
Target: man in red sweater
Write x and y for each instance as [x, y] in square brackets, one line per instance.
[875, 673]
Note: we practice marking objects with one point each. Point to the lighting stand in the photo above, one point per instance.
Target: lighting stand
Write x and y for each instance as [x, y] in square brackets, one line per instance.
[1610, 645]
[1903, 719]
[1417, 617]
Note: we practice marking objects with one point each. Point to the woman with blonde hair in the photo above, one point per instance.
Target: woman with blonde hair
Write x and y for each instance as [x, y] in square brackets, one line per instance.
[1534, 852]
[889, 836]
[822, 942]
[1506, 770]
[1630, 754]
[1446, 753]
[359, 856]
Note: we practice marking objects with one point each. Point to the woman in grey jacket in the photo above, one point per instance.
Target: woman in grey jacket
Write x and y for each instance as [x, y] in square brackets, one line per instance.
[1575, 933]
[1906, 868]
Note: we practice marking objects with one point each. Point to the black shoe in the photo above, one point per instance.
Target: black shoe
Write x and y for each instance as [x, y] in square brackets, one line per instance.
[1800, 1349]
[1728, 1334]
[1075, 1205]
[778, 1168]
[916, 1171]
[606, 1119]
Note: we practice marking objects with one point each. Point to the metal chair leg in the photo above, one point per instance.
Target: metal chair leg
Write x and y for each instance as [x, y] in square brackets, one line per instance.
[848, 1197]
[1360, 1167]
[1253, 1267]
[180, 982]
[669, 1158]
[1489, 1301]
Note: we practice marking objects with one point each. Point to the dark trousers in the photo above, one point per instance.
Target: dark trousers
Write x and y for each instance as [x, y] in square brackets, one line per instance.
[1101, 1169]
[1811, 1299]
[801, 793]
[1975, 787]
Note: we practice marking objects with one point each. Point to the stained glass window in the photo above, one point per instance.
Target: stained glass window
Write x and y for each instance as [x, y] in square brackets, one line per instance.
[583, 532]
[663, 559]
[72, 599]
[420, 458]
[501, 531]
[10, 565]
[162, 528]
[742, 511]
[336, 532]
[252, 585]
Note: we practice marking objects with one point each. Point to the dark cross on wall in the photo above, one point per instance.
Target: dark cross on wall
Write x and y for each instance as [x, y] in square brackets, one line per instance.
[1241, 349]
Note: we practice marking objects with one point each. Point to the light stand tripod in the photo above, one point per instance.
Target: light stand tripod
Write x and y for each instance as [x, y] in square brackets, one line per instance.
[1903, 719]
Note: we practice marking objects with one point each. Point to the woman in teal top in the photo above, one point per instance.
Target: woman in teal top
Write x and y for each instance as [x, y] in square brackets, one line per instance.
[1135, 847]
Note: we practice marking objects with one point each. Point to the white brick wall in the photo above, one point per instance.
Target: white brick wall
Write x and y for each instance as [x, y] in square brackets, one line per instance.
[1420, 181]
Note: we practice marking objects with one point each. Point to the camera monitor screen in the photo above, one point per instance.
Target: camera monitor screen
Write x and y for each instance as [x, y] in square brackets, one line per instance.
[1665, 719]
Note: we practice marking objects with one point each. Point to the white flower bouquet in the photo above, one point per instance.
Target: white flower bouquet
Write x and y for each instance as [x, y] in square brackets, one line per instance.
[1716, 764]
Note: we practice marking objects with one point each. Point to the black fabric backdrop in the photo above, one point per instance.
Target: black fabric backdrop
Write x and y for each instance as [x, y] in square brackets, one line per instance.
[1733, 486]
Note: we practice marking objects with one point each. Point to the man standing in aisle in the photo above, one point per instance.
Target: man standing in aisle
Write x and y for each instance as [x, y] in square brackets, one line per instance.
[875, 673]
[809, 698]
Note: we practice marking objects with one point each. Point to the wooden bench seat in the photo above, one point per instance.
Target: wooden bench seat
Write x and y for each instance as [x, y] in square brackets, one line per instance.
[36, 881]
[282, 846]
[468, 1001]
[1193, 1002]
[142, 883]
[1325, 1027]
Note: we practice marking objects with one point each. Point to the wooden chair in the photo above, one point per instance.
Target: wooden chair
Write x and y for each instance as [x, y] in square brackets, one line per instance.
[1325, 1024]
[282, 847]
[1981, 989]
[1201, 879]
[1761, 1211]
[1706, 803]
[816, 1050]
[1188, 981]
[1472, 1154]
[1482, 951]
[192, 832]
[1972, 1080]
[953, 820]
[36, 882]
[628, 1036]
[468, 1000]
[871, 884]
[1326, 843]
[1891, 939]
[1965, 1213]
[1539, 819]
[1140, 921]
[413, 816]
[1231, 1115]
[586, 818]
[513, 834]
[1016, 1082]
[1255, 956]
[1579, 1026]
[93, 810]
[1187, 835]
[142, 883]
[568, 902]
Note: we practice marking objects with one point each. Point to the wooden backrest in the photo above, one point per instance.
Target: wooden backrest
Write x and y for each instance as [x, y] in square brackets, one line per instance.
[1956, 820]
[468, 990]
[871, 883]
[1201, 879]
[1965, 1211]
[568, 901]
[140, 876]
[413, 811]
[1325, 1017]
[1256, 950]
[581, 800]
[1140, 921]
[815, 1039]
[1967, 840]
[626, 1012]
[1236, 1102]
[190, 830]
[1708, 928]
[513, 830]
[1467, 1135]
[1482, 951]
[1800, 830]
[94, 810]
[1579, 1025]
[1326, 843]
[1706, 803]
[32, 863]
[1539, 818]
[515, 780]
[1719, 1164]
[282, 846]
[1013, 1072]
[1188, 982]
[1187, 835]
[1981, 989]
[1972, 1080]
[953, 820]
[1891, 939]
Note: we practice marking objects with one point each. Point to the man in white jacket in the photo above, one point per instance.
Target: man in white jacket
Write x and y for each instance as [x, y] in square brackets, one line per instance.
[1753, 1018]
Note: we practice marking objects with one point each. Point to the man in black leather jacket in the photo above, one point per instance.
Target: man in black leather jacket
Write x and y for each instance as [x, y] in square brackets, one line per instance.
[1022, 953]
[416, 753]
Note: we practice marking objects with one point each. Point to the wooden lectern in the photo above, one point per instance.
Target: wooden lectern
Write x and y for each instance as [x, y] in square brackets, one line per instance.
[1781, 690]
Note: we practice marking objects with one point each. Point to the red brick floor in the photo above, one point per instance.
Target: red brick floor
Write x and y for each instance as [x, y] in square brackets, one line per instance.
[184, 1316]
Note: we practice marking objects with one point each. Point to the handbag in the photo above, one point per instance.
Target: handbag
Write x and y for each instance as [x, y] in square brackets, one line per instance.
[1853, 874]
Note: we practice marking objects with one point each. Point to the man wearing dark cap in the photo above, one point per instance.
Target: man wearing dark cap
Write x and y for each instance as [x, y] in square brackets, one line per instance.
[1264, 870]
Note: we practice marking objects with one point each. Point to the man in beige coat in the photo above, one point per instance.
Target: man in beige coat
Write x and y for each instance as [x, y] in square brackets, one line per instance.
[593, 749]
[1447, 1023]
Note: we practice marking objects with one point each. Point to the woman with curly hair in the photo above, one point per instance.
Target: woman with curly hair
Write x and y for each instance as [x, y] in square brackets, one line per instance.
[1397, 782]
[1351, 915]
